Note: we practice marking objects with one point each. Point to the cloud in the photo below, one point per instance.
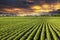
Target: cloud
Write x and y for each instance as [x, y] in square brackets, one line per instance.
[25, 3]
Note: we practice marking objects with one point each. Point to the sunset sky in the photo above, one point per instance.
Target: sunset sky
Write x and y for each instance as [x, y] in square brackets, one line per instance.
[28, 6]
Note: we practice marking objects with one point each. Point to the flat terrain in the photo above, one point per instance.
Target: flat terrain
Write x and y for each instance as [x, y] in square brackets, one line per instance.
[29, 28]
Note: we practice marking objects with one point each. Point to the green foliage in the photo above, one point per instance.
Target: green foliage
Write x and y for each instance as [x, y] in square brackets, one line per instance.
[29, 28]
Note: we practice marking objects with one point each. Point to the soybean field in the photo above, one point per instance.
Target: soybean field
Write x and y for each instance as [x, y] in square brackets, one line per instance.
[29, 28]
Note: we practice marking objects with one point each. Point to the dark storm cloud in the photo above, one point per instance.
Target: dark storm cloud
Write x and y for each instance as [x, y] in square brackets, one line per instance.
[45, 1]
[15, 3]
[25, 3]
[52, 1]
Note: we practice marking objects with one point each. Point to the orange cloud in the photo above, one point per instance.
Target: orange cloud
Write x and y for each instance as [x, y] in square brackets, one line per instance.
[57, 6]
[34, 9]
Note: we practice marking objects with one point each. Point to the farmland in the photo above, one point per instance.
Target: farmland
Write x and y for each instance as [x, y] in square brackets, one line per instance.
[29, 28]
